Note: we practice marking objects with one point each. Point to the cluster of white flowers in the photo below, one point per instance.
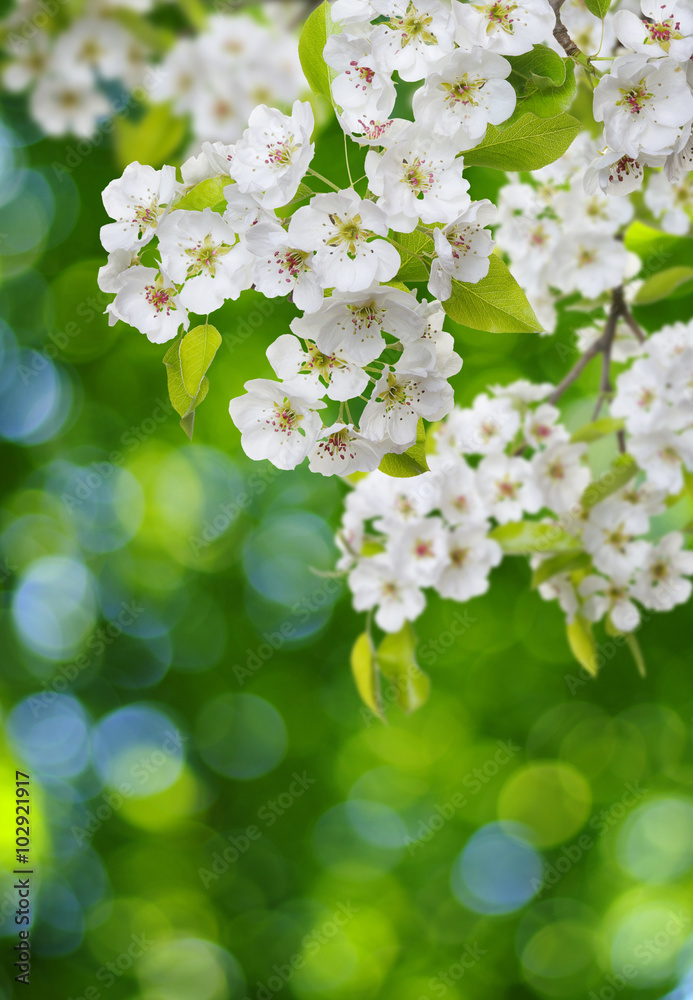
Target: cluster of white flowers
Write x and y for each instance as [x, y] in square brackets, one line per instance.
[561, 239]
[360, 340]
[505, 456]
[80, 74]
[217, 77]
[645, 100]
[65, 70]
[509, 456]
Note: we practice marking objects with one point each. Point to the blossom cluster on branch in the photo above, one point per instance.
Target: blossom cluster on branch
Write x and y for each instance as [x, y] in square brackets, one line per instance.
[422, 90]
[507, 478]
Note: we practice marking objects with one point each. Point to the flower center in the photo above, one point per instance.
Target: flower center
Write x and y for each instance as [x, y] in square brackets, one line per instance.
[282, 154]
[204, 256]
[159, 297]
[364, 73]
[635, 99]
[366, 315]
[396, 392]
[291, 260]
[458, 557]
[662, 33]
[284, 418]
[586, 257]
[417, 176]
[462, 90]
[423, 548]
[148, 215]
[498, 15]
[348, 232]
[414, 27]
[507, 490]
[337, 444]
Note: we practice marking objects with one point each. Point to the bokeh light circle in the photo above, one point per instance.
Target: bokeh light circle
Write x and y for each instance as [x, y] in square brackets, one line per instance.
[54, 606]
[551, 798]
[656, 841]
[498, 871]
[139, 748]
[241, 736]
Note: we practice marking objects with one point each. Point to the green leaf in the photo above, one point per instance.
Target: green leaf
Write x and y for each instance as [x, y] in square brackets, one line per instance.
[622, 470]
[541, 67]
[658, 251]
[396, 660]
[599, 8]
[566, 562]
[410, 463]
[496, 304]
[206, 194]
[152, 139]
[526, 537]
[582, 644]
[541, 94]
[664, 285]
[412, 268]
[597, 430]
[526, 144]
[183, 403]
[316, 30]
[363, 667]
[197, 352]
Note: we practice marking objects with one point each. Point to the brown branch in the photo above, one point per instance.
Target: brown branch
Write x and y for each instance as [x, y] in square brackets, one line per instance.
[602, 345]
[560, 32]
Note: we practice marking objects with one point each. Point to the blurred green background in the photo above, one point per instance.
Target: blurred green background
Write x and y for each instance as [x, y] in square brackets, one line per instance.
[214, 814]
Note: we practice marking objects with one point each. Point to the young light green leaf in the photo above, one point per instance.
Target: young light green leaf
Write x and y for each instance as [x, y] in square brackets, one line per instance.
[413, 269]
[363, 667]
[397, 661]
[411, 462]
[565, 562]
[151, 140]
[546, 101]
[197, 352]
[316, 30]
[526, 537]
[622, 470]
[496, 304]
[541, 67]
[582, 644]
[599, 8]
[206, 194]
[672, 283]
[526, 144]
[596, 430]
[183, 403]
